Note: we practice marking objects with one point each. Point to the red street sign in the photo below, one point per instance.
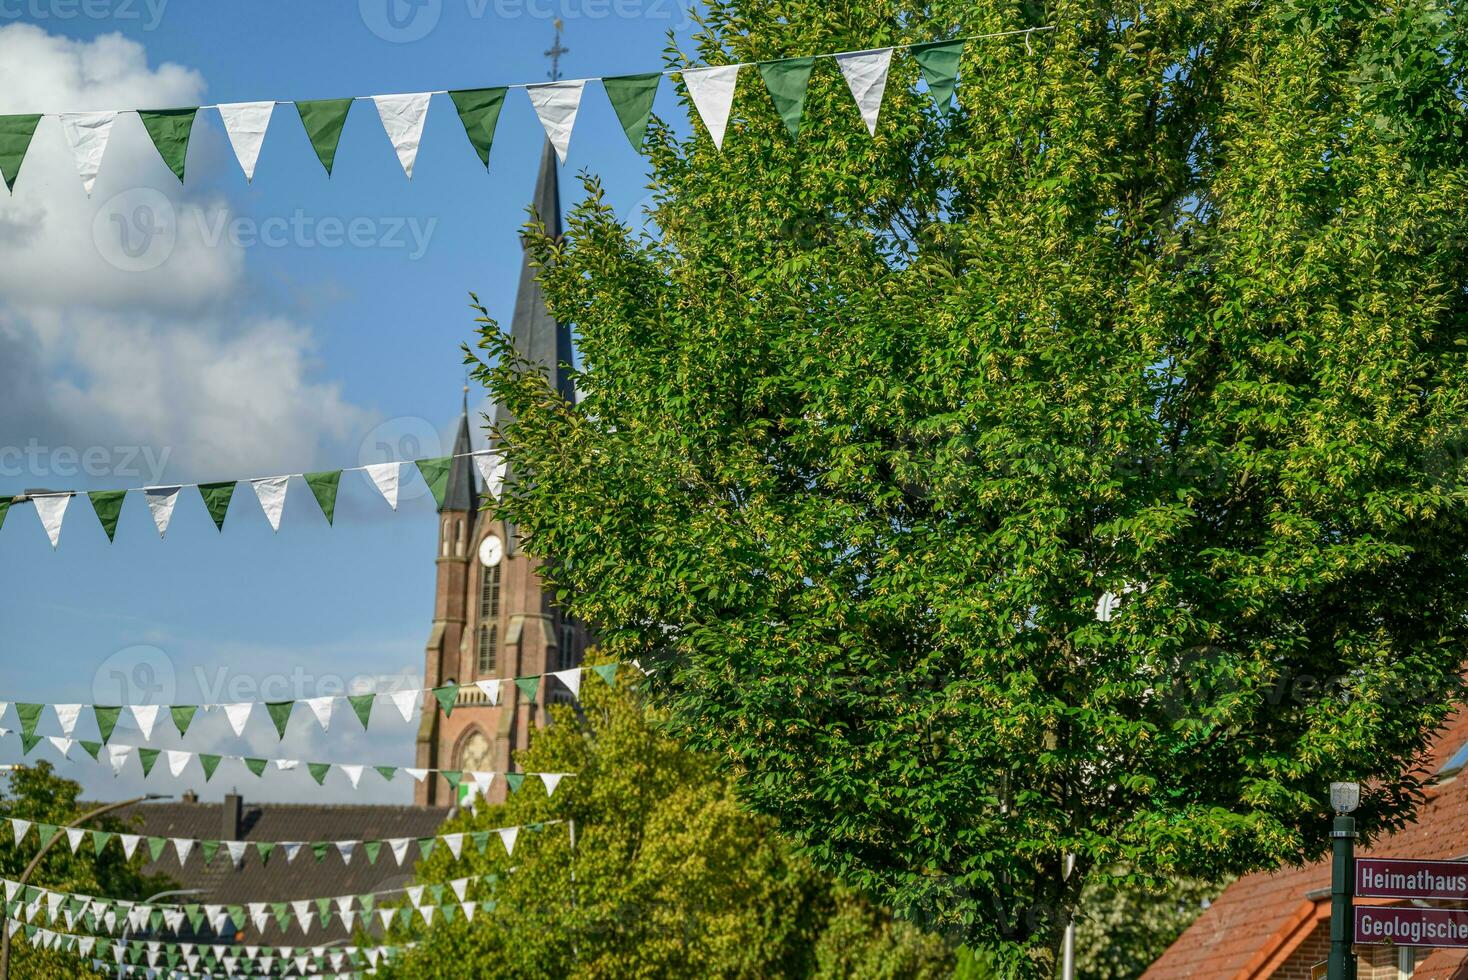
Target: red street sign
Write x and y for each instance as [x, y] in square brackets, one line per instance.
[1383, 925]
[1387, 878]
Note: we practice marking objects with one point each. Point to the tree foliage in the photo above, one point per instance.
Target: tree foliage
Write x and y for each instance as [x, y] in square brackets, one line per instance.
[1170, 307]
[672, 877]
[37, 794]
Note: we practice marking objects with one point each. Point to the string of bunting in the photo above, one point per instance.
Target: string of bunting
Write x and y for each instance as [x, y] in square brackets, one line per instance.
[270, 491]
[28, 903]
[556, 105]
[237, 850]
[145, 716]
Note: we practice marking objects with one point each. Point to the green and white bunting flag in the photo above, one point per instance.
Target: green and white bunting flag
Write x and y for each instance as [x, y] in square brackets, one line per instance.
[51, 509]
[323, 486]
[385, 477]
[108, 506]
[556, 104]
[161, 501]
[216, 499]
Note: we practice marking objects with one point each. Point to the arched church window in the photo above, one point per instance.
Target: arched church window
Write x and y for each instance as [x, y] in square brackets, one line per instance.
[488, 649]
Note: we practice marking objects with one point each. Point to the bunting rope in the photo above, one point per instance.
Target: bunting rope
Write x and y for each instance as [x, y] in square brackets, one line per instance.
[211, 954]
[237, 850]
[270, 491]
[145, 716]
[556, 105]
[178, 760]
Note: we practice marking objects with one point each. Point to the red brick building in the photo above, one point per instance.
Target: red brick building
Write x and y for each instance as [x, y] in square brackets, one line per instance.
[492, 617]
[1278, 924]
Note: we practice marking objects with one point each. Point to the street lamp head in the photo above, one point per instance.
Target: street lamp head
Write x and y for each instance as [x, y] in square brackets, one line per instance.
[1345, 797]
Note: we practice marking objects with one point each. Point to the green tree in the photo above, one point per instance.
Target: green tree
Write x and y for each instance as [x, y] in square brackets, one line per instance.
[1168, 311]
[672, 878]
[37, 794]
[1123, 930]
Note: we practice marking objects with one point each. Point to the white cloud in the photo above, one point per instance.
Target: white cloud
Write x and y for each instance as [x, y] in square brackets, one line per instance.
[119, 313]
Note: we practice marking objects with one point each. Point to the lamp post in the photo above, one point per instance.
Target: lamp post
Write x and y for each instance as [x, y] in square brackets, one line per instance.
[1344, 798]
[36, 861]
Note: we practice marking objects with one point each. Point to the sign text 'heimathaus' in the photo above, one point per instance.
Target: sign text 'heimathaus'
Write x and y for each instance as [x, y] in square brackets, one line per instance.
[1387, 878]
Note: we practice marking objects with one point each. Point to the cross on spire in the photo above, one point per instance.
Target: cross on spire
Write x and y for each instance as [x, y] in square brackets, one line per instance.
[555, 52]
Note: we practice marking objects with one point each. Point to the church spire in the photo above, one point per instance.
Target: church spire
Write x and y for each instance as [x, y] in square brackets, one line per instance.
[461, 494]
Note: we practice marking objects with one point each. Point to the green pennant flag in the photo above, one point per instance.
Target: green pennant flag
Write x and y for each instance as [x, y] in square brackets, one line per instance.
[108, 505]
[92, 749]
[216, 498]
[210, 763]
[529, 686]
[368, 900]
[425, 847]
[28, 742]
[454, 777]
[479, 111]
[281, 911]
[446, 696]
[632, 97]
[280, 713]
[435, 894]
[787, 80]
[436, 474]
[257, 766]
[373, 848]
[106, 715]
[608, 673]
[265, 849]
[319, 771]
[319, 849]
[323, 487]
[386, 772]
[29, 714]
[170, 130]
[44, 833]
[209, 848]
[4, 509]
[156, 844]
[324, 119]
[195, 916]
[323, 910]
[147, 757]
[99, 841]
[15, 139]
[480, 839]
[362, 706]
[183, 716]
[514, 780]
[939, 62]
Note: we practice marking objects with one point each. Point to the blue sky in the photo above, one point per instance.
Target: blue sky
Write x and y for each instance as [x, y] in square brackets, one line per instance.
[241, 337]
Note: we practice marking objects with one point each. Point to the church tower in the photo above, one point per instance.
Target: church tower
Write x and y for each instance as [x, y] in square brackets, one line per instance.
[492, 616]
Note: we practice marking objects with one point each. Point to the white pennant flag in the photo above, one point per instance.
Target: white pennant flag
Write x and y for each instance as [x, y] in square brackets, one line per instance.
[270, 491]
[507, 837]
[146, 716]
[469, 909]
[302, 910]
[712, 92]
[491, 466]
[418, 774]
[551, 780]
[238, 713]
[117, 755]
[236, 849]
[21, 828]
[346, 848]
[571, 678]
[246, 122]
[482, 781]
[177, 760]
[321, 708]
[460, 886]
[129, 844]
[427, 912]
[51, 509]
[61, 744]
[386, 915]
[405, 701]
[415, 895]
[184, 846]
[160, 502]
[455, 844]
[491, 690]
[556, 103]
[385, 477]
[353, 773]
[399, 846]
[866, 75]
[291, 850]
[86, 134]
[67, 714]
[74, 837]
[403, 116]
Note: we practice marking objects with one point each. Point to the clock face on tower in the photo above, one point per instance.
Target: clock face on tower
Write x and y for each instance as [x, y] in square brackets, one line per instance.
[491, 550]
